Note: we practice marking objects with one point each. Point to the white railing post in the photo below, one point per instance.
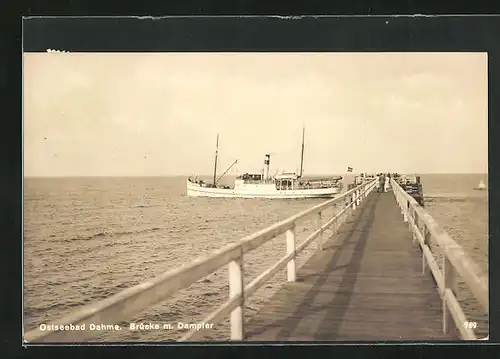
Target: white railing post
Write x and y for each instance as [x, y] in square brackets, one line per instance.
[320, 237]
[410, 219]
[450, 282]
[332, 228]
[405, 211]
[358, 199]
[236, 286]
[414, 225]
[337, 221]
[353, 198]
[426, 234]
[290, 248]
[420, 227]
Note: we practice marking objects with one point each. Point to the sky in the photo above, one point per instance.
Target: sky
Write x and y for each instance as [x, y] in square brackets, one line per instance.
[158, 114]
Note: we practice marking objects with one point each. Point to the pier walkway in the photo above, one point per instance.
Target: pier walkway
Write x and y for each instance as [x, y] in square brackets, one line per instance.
[366, 284]
[383, 270]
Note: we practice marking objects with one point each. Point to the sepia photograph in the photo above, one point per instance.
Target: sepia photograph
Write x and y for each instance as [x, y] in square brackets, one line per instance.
[255, 197]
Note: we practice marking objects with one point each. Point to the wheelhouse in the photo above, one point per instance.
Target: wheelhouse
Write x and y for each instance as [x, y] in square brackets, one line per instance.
[286, 181]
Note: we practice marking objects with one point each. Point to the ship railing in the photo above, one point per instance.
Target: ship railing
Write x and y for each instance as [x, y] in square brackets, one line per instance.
[446, 260]
[136, 299]
[247, 181]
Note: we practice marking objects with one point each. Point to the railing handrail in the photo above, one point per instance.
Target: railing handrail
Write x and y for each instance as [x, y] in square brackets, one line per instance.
[453, 253]
[137, 298]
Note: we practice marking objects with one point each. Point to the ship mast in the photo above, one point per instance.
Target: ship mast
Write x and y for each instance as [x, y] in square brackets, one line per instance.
[216, 155]
[302, 154]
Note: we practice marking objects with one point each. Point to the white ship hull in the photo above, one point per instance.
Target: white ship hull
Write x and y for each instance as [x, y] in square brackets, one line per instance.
[259, 191]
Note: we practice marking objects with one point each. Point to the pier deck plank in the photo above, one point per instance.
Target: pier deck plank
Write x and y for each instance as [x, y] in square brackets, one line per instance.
[365, 285]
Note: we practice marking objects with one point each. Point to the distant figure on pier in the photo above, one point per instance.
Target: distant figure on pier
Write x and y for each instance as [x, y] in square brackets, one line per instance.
[386, 182]
[381, 180]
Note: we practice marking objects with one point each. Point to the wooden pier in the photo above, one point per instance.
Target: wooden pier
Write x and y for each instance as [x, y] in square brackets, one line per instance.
[366, 284]
[387, 272]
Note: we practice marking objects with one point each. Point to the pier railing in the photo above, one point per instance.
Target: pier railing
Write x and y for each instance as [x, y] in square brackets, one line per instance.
[131, 301]
[454, 262]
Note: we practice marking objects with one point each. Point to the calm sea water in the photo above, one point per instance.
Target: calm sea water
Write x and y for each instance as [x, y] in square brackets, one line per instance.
[88, 238]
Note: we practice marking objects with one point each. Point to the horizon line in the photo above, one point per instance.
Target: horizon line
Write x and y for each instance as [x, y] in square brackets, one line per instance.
[210, 175]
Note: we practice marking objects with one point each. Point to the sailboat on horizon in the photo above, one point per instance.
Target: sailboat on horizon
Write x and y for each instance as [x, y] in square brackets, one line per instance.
[262, 185]
[481, 186]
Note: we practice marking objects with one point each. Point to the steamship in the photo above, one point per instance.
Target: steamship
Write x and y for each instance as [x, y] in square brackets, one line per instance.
[248, 185]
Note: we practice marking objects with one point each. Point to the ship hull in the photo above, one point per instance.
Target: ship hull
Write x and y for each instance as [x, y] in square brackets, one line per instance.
[259, 191]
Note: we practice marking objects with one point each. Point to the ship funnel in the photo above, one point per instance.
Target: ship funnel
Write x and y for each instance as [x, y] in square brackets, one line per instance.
[266, 163]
